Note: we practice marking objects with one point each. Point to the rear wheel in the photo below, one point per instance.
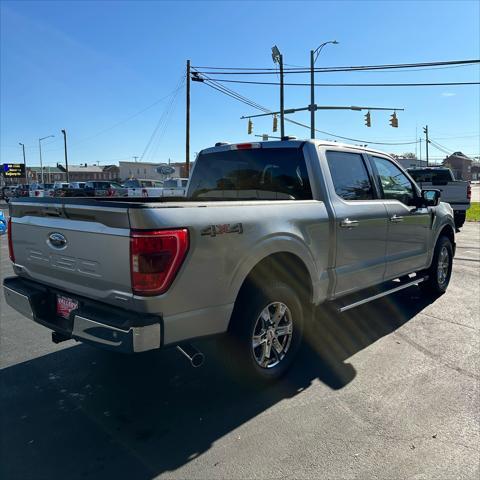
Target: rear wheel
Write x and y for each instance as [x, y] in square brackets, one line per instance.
[440, 270]
[459, 219]
[266, 332]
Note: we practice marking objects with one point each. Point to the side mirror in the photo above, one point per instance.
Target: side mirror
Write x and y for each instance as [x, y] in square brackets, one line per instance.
[431, 198]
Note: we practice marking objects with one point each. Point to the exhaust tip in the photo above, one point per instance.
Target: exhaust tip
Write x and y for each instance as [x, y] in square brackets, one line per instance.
[197, 360]
[195, 357]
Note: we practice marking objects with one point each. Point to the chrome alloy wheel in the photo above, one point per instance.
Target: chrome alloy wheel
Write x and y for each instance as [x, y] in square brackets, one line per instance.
[272, 335]
[443, 266]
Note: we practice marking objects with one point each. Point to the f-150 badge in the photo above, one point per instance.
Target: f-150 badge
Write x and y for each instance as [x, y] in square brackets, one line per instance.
[214, 230]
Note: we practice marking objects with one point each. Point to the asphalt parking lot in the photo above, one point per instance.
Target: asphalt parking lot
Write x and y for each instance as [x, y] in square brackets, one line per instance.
[394, 395]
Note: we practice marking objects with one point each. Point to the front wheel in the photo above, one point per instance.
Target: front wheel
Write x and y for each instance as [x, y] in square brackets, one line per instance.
[440, 270]
[266, 331]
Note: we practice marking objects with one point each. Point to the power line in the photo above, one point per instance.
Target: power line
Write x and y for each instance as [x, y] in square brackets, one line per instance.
[435, 84]
[163, 120]
[256, 71]
[236, 96]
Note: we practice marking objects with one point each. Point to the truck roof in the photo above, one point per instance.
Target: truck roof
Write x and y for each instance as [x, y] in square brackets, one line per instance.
[290, 144]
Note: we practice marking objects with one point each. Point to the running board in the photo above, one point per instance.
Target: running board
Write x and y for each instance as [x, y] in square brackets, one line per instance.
[416, 281]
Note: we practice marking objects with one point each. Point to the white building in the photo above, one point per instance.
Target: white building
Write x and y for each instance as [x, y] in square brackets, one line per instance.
[411, 162]
[145, 170]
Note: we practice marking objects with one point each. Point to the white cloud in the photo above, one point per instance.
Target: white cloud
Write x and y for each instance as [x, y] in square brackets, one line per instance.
[448, 94]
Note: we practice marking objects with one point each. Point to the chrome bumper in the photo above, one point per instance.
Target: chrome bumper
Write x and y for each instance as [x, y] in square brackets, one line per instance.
[131, 339]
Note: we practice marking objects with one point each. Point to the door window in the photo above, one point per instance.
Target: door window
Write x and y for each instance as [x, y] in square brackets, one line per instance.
[394, 183]
[349, 175]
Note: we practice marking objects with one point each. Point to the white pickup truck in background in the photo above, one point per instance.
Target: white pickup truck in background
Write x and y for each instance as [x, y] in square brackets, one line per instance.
[173, 187]
[455, 192]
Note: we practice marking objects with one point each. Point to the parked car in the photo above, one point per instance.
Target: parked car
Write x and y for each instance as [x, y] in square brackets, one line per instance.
[8, 192]
[267, 233]
[144, 188]
[3, 223]
[175, 187]
[94, 189]
[75, 185]
[455, 192]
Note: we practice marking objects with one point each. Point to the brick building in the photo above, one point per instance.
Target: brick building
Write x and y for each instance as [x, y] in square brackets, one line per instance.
[460, 165]
[77, 173]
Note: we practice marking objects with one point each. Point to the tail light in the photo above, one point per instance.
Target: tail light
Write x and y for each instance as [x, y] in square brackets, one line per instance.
[155, 258]
[11, 254]
[469, 191]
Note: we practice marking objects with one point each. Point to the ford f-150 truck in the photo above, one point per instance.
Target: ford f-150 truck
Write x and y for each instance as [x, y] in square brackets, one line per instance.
[266, 232]
[455, 192]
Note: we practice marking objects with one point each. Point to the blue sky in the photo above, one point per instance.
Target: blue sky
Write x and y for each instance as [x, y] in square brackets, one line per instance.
[93, 68]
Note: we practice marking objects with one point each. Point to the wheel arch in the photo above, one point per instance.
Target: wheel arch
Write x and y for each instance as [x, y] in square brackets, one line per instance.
[283, 266]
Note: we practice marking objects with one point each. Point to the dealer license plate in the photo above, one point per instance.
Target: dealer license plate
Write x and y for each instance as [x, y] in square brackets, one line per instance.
[65, 306]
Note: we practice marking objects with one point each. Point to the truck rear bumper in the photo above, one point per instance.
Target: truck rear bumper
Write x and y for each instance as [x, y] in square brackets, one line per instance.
[92, 322]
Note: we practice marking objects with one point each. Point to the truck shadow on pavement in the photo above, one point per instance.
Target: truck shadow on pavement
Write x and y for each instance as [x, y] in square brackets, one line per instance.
[85, 413]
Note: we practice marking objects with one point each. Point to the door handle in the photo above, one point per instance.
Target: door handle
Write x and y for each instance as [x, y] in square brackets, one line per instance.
[396, 219]
[347, 223]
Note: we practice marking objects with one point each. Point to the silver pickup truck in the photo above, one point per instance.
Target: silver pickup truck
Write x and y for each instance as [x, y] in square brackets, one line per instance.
[266, 232]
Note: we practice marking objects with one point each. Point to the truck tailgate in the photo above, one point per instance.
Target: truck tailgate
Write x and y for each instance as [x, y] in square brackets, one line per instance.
[83, 249]
[452, 192]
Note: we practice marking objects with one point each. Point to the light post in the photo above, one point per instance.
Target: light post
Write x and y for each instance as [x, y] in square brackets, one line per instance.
[313, 58]
[40, 149]
[278, 58]
[66, 158]
[24, 163]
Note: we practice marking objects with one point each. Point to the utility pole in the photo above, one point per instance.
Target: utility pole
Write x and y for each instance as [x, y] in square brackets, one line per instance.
[24, 162]
[425, 131]
[420, 144]
[135, 158]
[66, 157]
[187, 126]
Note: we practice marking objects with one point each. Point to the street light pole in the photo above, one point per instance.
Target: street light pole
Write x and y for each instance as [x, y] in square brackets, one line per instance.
[278, 58]
[66, 157]
[40, 150]
[282, 100]
[313, 57]
[24, 162]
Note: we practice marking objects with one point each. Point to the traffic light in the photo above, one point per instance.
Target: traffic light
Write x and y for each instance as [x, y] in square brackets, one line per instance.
[275, 123]
[394, 120]
[250, 126]
[368, 123]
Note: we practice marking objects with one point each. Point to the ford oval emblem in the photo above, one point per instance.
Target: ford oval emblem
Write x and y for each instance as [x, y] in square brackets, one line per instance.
[57, 240]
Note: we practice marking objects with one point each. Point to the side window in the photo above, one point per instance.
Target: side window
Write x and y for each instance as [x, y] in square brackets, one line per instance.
[350, 176]
[395, 184]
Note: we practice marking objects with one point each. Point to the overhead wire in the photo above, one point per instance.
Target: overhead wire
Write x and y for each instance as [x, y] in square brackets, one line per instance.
[164, 117]
[235, 95]
[296, 84]
[256, 71]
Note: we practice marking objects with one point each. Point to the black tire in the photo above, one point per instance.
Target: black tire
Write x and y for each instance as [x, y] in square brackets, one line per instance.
[438, 281]
[247, 322]
[459, 219]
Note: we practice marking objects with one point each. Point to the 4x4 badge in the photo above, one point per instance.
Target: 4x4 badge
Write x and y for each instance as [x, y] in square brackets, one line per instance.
[214, 230]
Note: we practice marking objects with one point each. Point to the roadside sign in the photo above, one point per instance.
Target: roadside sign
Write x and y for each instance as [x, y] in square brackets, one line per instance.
[13, 170]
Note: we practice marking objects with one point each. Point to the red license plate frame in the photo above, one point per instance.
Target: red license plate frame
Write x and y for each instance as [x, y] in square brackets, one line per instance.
[65, 306]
